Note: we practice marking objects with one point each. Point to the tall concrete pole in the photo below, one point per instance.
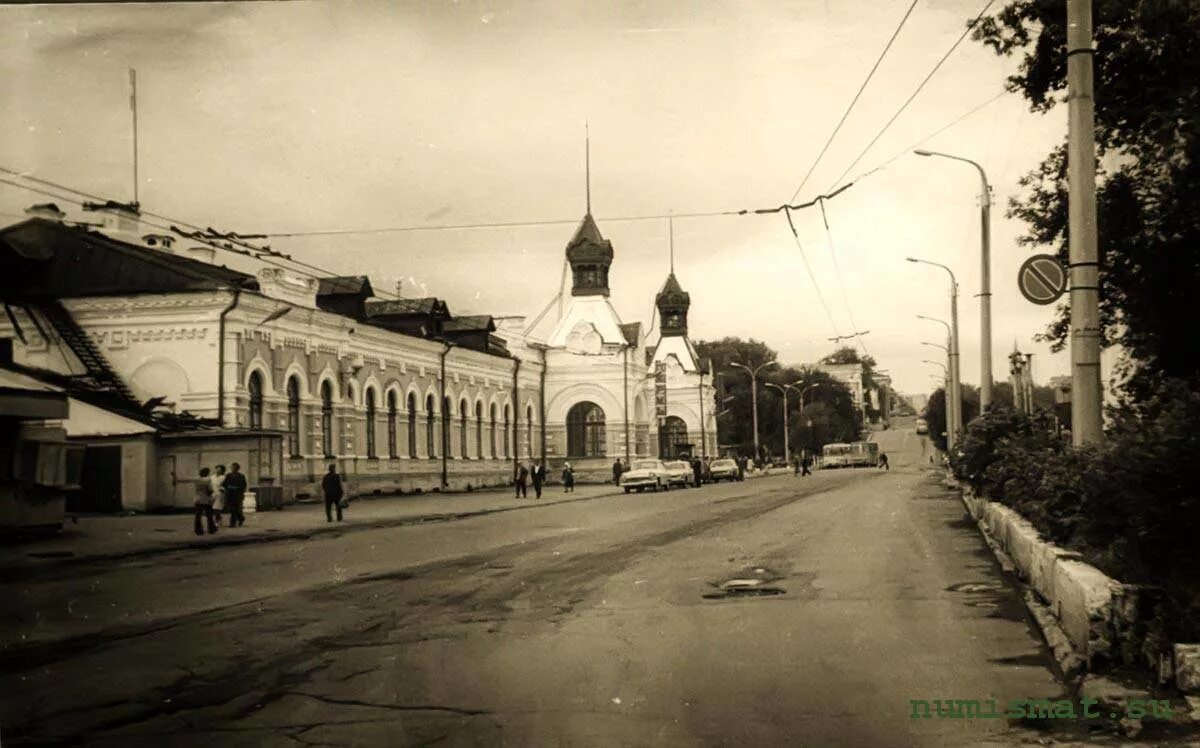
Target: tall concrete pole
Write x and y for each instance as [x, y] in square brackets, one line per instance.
[753, 372]
[783, 392]
[955, 358]
[1086, 395]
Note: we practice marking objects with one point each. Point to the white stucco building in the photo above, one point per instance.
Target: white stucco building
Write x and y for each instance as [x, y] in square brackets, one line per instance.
[234, 357]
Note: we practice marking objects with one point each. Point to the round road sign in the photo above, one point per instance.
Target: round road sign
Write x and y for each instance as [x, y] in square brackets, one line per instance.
[1042, 279]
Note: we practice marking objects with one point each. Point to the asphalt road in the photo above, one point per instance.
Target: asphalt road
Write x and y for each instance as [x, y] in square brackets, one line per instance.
[600, 622]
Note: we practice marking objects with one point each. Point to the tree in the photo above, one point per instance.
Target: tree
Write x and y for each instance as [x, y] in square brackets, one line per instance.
[935, 413]
[1148, 198]
[829, 404]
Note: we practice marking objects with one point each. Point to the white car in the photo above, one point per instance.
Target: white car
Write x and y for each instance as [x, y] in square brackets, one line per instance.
[643, 474]
[681, 473]
[723, 469]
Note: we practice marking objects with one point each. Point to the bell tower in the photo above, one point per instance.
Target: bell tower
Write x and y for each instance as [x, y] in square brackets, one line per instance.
[673, 303]
[590, 256]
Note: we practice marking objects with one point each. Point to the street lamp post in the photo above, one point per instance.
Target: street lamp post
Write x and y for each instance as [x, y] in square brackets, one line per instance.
[783, 390]
[954, 393]
[753, 372]
[806, 389]
[985, 279]
[955, 370]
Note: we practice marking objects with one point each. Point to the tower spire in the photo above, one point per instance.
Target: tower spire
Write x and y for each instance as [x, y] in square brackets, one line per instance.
[671, 235]
[587, 164]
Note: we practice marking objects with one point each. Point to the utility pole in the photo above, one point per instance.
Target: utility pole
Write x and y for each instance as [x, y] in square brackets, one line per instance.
[753, 372]
[1086, 424]
[783, 392]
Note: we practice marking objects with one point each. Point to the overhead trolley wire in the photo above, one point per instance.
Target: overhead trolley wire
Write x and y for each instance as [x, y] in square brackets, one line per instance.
[920, 86]
[853, 102]
[787, 212]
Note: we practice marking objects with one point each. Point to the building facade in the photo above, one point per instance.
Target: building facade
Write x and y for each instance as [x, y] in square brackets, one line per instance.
[290, 373]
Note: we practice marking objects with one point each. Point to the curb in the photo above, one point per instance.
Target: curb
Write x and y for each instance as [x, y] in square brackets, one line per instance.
[12, 571]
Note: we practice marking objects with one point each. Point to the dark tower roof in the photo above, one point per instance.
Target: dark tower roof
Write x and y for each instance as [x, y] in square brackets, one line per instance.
[673, 303]
[590, 255]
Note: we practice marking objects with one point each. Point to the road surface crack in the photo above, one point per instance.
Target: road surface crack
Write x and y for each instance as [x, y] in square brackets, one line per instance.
[392, 707]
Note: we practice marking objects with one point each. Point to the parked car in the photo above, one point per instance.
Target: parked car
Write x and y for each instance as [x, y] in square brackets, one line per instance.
[723, 469]
[680, 472]
[643, 474]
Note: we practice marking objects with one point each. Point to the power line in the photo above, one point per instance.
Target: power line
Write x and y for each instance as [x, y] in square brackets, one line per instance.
[850, 108]
[841, 283]
[934, 134]
[920, 86]
[816, 287]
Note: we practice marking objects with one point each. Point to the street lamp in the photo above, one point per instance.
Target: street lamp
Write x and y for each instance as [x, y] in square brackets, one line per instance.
[954, 389]
[783, 390]
[955, 368]
[753, 372]
[985, 279]
[806, 389]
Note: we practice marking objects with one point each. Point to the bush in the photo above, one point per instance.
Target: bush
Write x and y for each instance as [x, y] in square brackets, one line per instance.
[1131, 505]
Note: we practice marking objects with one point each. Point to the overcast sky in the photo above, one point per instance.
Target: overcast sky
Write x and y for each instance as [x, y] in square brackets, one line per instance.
[293, 117]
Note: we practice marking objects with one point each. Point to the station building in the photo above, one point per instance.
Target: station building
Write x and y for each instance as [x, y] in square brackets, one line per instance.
[190, 350]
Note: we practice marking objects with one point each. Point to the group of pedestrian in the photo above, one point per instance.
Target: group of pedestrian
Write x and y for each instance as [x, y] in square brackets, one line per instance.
[535, 473]
[802, 464]
[218, 492]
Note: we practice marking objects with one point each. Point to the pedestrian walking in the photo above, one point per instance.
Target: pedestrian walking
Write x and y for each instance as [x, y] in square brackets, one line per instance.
[522, 476]
[796, 460]
[539, 478]
[697, 471]
[568, 479]
[741, 463]
[235, 495]
[204, 502]
[218, 479]
[805, 464]
[883, 462]
[618, 468]
[331, 487]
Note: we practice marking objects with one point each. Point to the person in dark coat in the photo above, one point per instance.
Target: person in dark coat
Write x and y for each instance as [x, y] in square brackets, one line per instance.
[539, 479]
[805, 463]
[741, 463]
[522, 475]
[568, 479]
[883, 461]
[618, 468]
[235, 495]
[331, 486]
[697, 472]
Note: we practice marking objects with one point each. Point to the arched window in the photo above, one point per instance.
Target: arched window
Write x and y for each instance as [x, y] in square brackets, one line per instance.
[412, 424]
[507, 420]
[430, 417]
[479, 430]
[293, 416]
[492, 429]
[371, 422]
[463, 409]
[393, 448]
[529, 429]
[327, 418]
[256, 400]
[585, 430]
[674, 436]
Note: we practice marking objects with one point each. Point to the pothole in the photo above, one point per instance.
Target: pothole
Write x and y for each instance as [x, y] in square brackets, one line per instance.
[753, 581]
[975, 587]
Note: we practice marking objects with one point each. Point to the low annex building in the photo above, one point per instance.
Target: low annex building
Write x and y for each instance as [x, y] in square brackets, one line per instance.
[285, 373]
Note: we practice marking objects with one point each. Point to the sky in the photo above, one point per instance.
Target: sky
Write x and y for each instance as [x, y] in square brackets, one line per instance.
[309, 116]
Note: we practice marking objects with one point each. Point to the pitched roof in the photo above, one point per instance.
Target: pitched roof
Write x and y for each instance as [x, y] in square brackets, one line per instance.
[588, 232]
[348, 285]
[470, 323]
[405, 307]
[68, 261]
[671, 286]
[632, 332]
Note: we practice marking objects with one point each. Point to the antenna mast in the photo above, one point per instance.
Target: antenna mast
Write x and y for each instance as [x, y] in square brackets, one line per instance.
[133, 107]
[587, 164]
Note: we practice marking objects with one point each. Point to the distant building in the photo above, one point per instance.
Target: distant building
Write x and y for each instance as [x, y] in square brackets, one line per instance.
[850, 375]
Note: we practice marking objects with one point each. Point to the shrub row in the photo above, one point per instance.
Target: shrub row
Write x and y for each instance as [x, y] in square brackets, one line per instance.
[1131, 506]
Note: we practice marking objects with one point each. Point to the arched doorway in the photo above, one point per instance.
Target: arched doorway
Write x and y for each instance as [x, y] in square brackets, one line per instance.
[673, 438]
[586, 431]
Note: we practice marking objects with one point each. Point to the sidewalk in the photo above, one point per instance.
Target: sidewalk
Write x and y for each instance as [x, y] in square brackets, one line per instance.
[97, 538]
